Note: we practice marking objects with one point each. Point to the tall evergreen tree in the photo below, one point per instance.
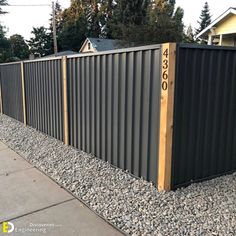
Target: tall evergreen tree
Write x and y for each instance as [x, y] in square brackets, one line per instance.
[177, 21]
[189, 37]
[19, 47]
[40, 43]
[165, 23]
[129, 20]
[204, 20]
[74, 27]
[98, 14]
[5, 49]
[134, 22]
[93, 16]
[148, 21]
[132, 12]
[106, 10]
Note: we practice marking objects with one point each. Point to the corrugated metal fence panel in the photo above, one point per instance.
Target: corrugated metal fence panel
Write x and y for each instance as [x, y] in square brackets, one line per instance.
[204, 139]
[12, 90]
[44, 98]
[114, 108]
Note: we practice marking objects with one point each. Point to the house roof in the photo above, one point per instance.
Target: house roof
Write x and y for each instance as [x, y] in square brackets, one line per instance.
[231, 10]
[64, 53]
[102, 44]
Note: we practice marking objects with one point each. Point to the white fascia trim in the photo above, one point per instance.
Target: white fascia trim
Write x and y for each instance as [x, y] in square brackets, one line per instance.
[229, 11]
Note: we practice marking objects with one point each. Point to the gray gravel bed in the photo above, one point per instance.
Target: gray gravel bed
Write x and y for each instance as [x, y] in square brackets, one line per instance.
[133, 205]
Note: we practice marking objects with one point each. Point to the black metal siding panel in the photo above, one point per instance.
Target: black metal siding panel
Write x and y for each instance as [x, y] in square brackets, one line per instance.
[204, 138]
[114, 108]
[12, 90]
[44, 98]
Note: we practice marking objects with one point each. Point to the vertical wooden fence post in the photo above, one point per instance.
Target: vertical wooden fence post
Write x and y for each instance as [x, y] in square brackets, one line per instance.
[1, 106]
[166, 115]
[23, 92]
[65, 102]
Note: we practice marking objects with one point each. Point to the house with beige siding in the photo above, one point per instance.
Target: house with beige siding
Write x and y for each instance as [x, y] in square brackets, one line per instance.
[222, 31]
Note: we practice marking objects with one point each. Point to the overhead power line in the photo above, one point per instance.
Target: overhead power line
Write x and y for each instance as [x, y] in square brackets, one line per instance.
[53, 13]
[28, 5]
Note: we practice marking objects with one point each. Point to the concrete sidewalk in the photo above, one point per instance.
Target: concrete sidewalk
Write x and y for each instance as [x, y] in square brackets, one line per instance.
[38, 206]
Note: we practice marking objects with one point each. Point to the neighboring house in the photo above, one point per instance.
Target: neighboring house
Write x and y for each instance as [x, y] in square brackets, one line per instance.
[222, 31]
[99, 45]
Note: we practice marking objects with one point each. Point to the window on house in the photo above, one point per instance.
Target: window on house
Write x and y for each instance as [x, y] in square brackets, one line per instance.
[89, 46]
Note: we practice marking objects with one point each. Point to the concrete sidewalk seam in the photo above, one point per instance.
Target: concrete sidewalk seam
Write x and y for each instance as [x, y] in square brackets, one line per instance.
[38, 210]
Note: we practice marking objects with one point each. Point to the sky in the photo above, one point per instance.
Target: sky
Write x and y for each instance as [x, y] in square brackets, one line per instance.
[21, 20]
[192, 9]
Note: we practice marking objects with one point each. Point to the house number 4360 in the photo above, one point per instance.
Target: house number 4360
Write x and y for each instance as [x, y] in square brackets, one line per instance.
[165, 66]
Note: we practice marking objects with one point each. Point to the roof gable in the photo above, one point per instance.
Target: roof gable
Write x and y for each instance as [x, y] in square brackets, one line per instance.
[83, 45]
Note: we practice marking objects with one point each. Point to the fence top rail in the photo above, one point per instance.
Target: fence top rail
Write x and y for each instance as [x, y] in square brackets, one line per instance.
[10, 63]
[44, 59]
[123, 50]
[30, 61]
[115, 51]
[206, 47]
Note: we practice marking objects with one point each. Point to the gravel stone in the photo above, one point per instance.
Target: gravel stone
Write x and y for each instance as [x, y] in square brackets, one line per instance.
[133, 205]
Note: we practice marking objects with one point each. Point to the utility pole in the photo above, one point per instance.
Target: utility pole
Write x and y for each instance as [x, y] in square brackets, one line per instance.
[54, 29]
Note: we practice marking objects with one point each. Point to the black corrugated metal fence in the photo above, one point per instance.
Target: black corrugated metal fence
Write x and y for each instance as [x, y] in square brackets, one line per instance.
[11, 90]
[113, 104]
[43, 93]
[204, 137]
[114, 108]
